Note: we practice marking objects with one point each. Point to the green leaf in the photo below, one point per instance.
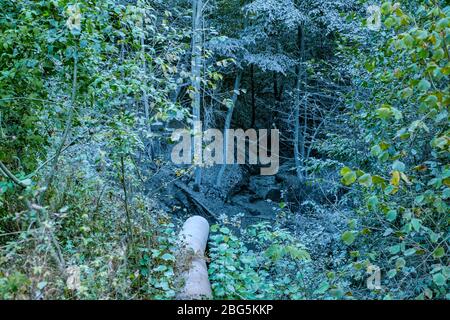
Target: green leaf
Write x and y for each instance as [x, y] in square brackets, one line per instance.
[439, 253]
[389, 22]
[421, 34]
[160, 268]
[391, 273]
[410, 252]
[419, 199]
[384, 113]
[395, 249]
[337, 293]
[408, 41]
[439, 279]
[372, 202]
[416, 224]
[400, 263]
[378, 180]
[323, 287]
[376, 150]
[348, 237]
[391, 215]
[440, 142]
[395, 180]
[365, 180]
[345, 170]
[297, 253]
[168, 257]
[424, 85]
[406, 93]
[398, 115]
[446, 193]
[434, 237]
[431, 100]
[399, 166]
[349, 178]
[443, 23]
[438, 54]
[275, 252]
[386, 8]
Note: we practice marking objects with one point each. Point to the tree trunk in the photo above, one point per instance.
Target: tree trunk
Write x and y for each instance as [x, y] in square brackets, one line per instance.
[299, 155]
[237, 84]
[145, 95]
[196, 68]
[275, 97]
[252, 70]
[278, 94]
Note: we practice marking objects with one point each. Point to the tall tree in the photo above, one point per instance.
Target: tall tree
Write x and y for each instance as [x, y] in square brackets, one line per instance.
[196, 68]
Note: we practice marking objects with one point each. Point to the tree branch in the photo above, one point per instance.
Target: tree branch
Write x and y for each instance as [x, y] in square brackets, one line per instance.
[4, 170]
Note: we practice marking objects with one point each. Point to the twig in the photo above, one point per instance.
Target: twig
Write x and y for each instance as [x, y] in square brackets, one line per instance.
[127, 210]
[4, 170]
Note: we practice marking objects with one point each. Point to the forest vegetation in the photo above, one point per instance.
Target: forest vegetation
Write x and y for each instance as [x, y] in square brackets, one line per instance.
[91, 91]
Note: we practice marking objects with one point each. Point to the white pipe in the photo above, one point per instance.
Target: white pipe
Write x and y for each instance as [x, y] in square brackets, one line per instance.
[194, 237]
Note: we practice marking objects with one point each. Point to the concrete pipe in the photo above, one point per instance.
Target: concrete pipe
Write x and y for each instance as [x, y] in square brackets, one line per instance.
[194, 237]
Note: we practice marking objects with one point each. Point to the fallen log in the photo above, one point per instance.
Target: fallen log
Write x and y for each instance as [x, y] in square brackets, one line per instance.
[197, 199]
[194, 237]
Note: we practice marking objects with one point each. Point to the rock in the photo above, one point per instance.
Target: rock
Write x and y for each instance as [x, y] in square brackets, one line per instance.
[274, 194]
[265, 187]
[258, 208]
[233, 181]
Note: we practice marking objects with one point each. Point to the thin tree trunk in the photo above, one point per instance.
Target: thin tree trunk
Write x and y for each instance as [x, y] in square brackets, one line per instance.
[127, 209]
[237, 84]
[305, 105]
[252, 70]
[297, 127]
[278, 94]
[299, 157]
[196, 67]
[275, 97]
[144, 91]
[145, 95]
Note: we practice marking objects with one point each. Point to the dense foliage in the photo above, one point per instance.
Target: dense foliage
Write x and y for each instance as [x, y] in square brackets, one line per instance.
[90, 92]
[402, 114]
